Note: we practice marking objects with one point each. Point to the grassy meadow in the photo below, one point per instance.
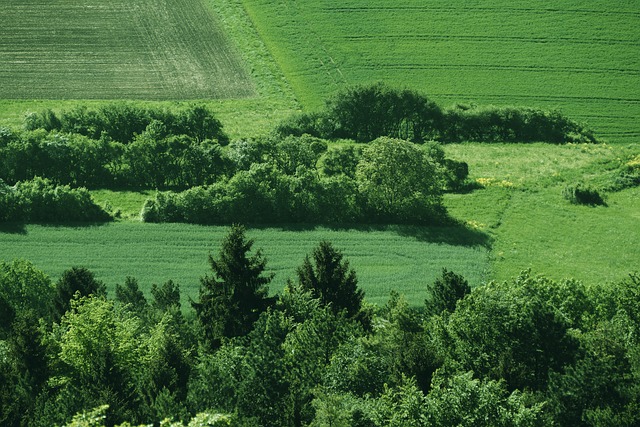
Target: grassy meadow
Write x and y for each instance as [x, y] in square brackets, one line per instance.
[532, 226]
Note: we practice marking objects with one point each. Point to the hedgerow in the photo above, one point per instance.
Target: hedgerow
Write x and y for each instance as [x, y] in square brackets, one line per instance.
[39, 200]
[364, 113]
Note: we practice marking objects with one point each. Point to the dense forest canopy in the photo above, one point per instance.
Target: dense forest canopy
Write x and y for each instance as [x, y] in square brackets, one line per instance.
[526, 352]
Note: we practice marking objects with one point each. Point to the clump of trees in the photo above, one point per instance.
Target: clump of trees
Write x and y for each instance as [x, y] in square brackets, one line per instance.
[121, 122]
[364, 113]
[156, 155]
[39, 200]
[526, 352]
[299, 180]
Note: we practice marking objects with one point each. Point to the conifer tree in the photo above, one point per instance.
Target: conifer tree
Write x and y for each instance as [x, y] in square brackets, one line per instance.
[232, 299]
[330, 279]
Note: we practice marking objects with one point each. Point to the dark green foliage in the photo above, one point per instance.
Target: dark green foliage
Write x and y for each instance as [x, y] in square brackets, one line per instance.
[154, 158]
[581, 195]
[76, 280]
[445, 292]
[24, 288]
[400, 183]
[456, 174]
[118, 145]
[23, 369]
[232, 300]
[130, 295]
[460, 400]
[510, 331]
[122, 121]
[40, 200]
[341, 160]
[393, 181]
[166, 297]
[511, 124]
[364, 113]
[330, 279]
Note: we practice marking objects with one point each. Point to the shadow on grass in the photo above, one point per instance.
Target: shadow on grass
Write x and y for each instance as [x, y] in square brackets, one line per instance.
[455, 235]
[13, 228]
[21, 227]
[451, 234]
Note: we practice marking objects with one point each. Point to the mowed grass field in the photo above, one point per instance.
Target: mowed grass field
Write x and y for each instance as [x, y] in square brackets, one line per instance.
[579, 57]
[385, 258]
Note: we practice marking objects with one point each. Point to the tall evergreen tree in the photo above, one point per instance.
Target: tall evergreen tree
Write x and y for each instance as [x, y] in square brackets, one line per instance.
[75, 279]
[446, 291]
[330, 279]
[232, 299]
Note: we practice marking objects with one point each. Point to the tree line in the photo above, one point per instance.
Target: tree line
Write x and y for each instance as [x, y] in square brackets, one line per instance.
[39, 200]
[364, 113]
[298, 179]
[526, 352]
[271, 179]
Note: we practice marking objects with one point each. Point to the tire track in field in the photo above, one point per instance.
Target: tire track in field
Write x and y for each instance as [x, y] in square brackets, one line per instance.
[481, 38]
[504, 10]
[633, 101]
[476, 67]
[328, 64]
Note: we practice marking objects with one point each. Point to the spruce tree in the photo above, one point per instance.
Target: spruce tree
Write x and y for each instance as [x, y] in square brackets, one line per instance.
[232, 299]
[330, 279]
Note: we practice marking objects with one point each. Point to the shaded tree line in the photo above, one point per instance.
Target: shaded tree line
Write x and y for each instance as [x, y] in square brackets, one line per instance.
[364, 113]
[154, 158]
[526, 352]
[122, 121]
[298, 179]
[39, 200]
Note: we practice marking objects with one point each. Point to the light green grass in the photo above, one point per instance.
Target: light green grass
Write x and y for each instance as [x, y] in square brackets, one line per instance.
[533, 226]
[385, 259]
[124, 204]
[579, 57]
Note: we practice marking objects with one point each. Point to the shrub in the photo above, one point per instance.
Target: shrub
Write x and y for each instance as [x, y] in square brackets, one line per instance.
[123, 121]
[41, 200]
[582, 195]
[364, 113]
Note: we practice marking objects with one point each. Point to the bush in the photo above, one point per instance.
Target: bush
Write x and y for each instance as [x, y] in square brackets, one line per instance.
[581, 195]
[40, 200]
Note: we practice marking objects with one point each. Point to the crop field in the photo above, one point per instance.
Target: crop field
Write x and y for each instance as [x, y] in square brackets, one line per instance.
[385, 259]
[117, 49]
[579, 57]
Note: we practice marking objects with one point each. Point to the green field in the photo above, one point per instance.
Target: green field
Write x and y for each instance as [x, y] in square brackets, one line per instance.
[533, 226]
[91, 49]
[579, 57]
[385, 259]
[254, 62]
[55, 54]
